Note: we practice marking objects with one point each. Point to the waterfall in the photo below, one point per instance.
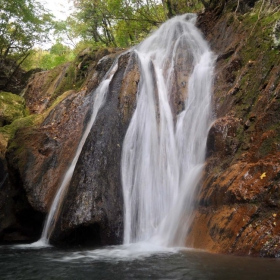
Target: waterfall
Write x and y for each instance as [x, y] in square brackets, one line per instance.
[164, 151]
[99, 100]
[164, 147]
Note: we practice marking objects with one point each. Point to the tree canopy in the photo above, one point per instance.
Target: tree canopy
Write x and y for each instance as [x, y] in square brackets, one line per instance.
[118, 23]
[124, 22]
[23, 23]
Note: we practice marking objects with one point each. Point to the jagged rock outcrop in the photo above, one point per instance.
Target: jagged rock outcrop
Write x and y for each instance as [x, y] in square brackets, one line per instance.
[238, 208]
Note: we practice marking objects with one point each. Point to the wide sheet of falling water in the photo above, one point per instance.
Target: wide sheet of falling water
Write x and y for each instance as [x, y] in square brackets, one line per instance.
[163, 154]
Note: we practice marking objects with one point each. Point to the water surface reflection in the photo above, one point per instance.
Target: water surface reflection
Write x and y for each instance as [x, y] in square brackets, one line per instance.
[136, 262]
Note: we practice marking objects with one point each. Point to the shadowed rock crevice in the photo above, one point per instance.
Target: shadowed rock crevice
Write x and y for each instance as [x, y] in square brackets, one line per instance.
[19, 222]
[84, 235]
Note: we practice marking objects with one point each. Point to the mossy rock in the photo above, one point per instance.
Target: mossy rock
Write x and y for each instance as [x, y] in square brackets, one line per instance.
[12, 107]
[8, 131]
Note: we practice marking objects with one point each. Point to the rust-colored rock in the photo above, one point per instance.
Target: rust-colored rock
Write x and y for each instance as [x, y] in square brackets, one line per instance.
[42, 154]
[238, 207]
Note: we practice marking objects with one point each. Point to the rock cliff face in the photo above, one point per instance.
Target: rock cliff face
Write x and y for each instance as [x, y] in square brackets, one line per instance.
[40, 152]
[238, 208]
[93, 208]
[42, 144]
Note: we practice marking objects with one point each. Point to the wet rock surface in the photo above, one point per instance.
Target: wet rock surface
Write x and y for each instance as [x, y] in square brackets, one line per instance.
[40, 155]
[238, 207]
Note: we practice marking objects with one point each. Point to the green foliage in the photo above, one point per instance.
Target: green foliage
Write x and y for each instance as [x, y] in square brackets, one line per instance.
[59, 49]
[95, 23]
[23, 23]
[57, 55]
[124, 22]
[68, 30]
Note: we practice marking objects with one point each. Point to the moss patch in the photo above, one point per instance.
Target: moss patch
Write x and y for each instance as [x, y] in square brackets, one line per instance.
[67, 83]
[9, 131]
[12, 107]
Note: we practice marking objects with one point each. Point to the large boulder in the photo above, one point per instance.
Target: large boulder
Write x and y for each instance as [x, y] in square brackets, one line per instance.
[92, 212]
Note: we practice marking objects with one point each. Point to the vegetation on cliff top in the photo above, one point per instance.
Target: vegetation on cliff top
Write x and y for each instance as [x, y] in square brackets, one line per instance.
[114, 23]
[23, 23]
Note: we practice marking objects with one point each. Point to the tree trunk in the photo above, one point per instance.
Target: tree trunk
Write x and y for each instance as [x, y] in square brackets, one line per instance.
[15, 70]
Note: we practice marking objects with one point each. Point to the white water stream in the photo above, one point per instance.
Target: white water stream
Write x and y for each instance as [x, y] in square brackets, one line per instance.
[162, 158]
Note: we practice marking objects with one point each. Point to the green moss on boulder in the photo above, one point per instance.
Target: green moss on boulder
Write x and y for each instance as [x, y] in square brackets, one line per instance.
[8, 131]
[12, 107]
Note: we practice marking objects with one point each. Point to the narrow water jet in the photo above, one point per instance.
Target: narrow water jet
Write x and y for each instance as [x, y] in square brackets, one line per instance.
[99, 100]
[164, 151]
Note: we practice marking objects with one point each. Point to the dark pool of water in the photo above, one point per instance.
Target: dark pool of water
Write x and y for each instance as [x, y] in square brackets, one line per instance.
[121, 263]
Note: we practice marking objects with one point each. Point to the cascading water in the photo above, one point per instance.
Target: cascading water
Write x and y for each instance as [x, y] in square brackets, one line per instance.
[163, 154]
[99, 99]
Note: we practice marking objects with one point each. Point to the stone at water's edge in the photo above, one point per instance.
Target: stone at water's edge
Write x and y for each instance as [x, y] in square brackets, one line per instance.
[238, 207]
[18, 220]
[93, 208]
